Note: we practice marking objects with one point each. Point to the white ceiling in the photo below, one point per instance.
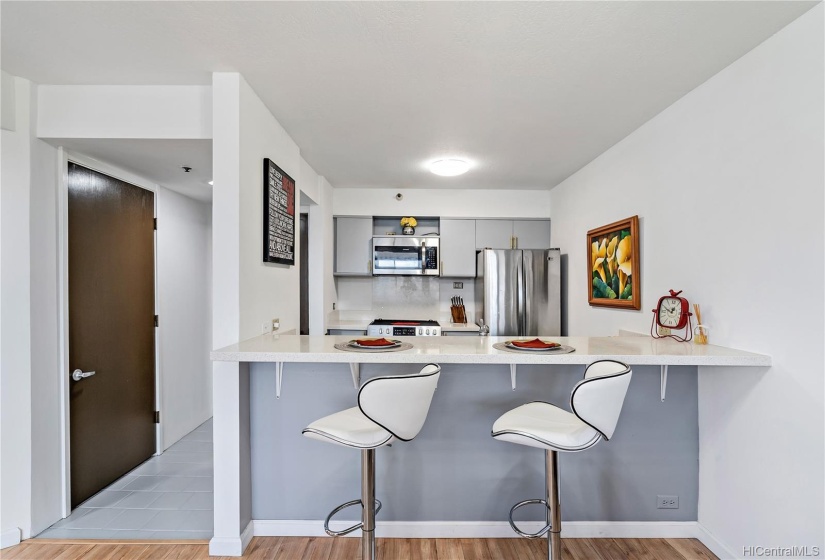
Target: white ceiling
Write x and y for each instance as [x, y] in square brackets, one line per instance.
[159, 161]
[529, 91]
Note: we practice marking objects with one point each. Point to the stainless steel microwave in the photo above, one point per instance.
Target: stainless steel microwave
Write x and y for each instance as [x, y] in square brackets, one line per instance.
[405, 255]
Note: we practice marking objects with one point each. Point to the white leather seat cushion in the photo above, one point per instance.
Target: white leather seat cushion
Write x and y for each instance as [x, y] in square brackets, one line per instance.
[349, 428]
[544, 426]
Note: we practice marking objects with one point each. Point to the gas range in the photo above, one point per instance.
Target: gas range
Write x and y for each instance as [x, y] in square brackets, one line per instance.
[387, 327]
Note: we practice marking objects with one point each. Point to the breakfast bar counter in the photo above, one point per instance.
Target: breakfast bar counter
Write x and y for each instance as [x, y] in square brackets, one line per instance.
[267, 472]
[634, 350]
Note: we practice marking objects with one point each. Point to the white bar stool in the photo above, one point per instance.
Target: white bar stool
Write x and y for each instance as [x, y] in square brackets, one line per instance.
[390, 408]
[596, 402]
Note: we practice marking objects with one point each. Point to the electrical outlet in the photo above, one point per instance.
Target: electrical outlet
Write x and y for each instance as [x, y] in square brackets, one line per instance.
[458, 285]
[667, 502]
[276, 324]
[265, 327]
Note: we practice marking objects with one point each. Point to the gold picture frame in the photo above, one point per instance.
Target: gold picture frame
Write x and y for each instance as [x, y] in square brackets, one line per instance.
[613, 273]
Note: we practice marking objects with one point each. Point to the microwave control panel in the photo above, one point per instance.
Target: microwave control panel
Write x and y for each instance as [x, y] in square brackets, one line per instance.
[431, 258]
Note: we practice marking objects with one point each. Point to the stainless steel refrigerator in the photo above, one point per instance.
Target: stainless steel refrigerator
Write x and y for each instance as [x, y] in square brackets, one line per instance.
[517, 291]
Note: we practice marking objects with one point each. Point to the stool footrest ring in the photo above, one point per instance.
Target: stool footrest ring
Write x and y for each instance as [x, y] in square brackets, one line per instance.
[519, 531]
[348, 530]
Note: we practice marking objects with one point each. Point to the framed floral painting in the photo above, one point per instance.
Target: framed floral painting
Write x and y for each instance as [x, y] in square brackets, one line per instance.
[613, 265]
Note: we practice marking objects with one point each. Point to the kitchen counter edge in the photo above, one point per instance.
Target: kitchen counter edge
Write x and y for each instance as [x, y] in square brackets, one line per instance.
[479, 350]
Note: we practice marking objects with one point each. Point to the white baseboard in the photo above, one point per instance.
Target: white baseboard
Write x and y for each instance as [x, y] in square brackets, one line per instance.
[232, 546]
[715, 545]
[484, 529]
[10, 537]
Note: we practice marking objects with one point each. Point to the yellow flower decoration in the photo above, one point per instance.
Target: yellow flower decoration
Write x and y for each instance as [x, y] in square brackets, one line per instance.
[611, 255]
[623, 259]
[599, 254]
[412, 222]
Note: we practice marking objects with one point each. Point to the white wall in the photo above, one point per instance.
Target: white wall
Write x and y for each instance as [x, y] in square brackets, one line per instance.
[15, 321]
[7, 114]
[185, 310]
[320, 249]
[30, 446]
[450, 203]
[267, 290]
[124, 112]
[728, 185]
[46, 413]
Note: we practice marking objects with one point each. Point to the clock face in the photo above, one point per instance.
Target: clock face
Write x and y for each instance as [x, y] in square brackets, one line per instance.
[670, 312]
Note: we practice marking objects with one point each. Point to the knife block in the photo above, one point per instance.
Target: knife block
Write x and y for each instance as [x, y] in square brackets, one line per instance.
[457, 314]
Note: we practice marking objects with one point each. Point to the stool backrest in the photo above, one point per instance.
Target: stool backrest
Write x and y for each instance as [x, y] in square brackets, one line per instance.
[598, 398]
[399, 403]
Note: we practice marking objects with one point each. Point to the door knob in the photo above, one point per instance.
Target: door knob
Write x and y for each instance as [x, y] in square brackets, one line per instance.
[77, 375]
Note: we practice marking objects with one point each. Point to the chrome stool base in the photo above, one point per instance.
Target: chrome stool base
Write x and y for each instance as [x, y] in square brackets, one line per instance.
[551, 503]
[348, 530]
[369, 508]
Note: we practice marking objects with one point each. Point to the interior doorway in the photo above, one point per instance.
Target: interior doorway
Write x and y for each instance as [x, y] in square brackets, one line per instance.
[111, 329]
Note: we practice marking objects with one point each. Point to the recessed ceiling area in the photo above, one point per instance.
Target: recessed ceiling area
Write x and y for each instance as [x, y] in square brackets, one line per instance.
[158, 161]
[371, 91]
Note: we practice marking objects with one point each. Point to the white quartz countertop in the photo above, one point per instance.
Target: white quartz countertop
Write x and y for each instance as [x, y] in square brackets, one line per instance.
[633, 350]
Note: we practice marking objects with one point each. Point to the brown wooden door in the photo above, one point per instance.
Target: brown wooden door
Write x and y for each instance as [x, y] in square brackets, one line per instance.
[111, 329]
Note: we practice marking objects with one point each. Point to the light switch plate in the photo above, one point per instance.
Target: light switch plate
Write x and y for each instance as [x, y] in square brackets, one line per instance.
[458, 285]
[276, 324]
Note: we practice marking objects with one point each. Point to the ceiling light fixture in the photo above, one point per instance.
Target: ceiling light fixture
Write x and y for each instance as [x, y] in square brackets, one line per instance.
[449, 167]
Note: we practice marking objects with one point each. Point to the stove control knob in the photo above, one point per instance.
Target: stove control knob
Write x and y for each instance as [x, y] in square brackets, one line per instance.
[380, 331]
[428, 331]
[420, 331]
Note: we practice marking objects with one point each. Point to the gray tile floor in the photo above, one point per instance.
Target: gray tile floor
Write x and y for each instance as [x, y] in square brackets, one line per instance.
[167, 497]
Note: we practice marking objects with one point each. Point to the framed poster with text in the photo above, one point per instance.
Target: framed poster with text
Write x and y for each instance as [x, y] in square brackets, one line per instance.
[279, 215]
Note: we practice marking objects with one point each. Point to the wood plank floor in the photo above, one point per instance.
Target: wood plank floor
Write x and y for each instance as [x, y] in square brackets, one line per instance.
[327, 548]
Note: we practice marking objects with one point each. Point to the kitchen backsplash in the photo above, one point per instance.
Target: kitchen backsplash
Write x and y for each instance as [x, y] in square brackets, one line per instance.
[402, 297]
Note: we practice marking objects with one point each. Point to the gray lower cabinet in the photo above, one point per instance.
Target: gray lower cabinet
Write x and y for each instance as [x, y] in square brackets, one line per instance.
[353, 246]
[458, 248]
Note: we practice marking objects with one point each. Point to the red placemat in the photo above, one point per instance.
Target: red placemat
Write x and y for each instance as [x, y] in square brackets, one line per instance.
[374, 342]
[535, 343]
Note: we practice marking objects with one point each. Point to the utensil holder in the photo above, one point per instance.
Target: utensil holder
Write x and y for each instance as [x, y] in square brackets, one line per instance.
[700, 334]
[457, 314]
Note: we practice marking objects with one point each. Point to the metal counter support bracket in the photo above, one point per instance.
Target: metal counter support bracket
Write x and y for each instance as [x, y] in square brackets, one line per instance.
[279, 376]
[513, 376]
[664, 382]
[355, 369]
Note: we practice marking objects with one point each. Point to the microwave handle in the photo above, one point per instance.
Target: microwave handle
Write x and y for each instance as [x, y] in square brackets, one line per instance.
[423, 256]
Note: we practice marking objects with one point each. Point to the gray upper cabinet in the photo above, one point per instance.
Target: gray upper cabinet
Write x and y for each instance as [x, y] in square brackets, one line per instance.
[494, 234]
[532, 234]
[458, 248]
[513, 234]
[353, 246]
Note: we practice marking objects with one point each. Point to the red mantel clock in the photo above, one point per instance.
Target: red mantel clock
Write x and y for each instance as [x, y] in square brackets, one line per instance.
[672, 313]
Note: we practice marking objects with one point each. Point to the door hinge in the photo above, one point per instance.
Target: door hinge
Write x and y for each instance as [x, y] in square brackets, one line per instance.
[155, 223]
[157, 417]
[156, 320]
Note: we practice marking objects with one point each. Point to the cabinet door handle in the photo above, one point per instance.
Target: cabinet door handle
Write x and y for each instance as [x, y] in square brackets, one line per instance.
[369, 266]
[442, 268]
[515, 242]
